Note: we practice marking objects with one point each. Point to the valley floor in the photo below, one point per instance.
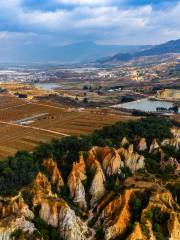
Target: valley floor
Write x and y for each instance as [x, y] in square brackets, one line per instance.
[26, 123]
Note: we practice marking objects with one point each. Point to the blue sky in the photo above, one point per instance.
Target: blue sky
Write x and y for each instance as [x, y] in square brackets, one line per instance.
[59, 22]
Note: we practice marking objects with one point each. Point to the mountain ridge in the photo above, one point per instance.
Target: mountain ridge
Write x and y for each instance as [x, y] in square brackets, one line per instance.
[172, 46]
[78, 52]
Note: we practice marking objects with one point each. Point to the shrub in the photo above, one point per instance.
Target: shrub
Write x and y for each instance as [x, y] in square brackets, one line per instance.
[17, 234]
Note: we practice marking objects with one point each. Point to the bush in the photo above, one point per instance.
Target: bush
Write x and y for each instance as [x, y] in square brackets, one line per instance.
[148, 215]
[175, 190]
[159, 221]
[137, 203]
[99, 233]
[17, 234]
[158, 232]
[48, 232]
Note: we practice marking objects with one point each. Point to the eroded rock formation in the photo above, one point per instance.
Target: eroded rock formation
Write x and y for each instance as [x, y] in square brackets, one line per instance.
[137, 233]
[116, 215]
[96, 196]
[165, 202]
[154, 146]
[142, 145]
[56, 212]
[53, 170]
[13, 216]
[124, 142]
[132, 159]
[75, 183]
[97, 189]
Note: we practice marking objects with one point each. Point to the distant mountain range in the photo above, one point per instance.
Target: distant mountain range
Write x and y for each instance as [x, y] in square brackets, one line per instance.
[89, 51]
[74, 53]
[82, 52]
[165, 48]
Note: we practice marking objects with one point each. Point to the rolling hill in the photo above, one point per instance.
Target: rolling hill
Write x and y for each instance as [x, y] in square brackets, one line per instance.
[165, 48]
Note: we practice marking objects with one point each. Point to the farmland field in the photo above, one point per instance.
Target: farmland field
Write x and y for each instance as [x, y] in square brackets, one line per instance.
[7, 100]
[48, 120]
[13, 138]
[75, 123]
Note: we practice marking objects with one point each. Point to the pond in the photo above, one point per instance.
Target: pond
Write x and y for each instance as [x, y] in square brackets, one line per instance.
[47, 86]
[145, 105]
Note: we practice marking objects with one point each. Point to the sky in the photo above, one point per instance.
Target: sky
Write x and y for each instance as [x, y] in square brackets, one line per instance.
[60, 22]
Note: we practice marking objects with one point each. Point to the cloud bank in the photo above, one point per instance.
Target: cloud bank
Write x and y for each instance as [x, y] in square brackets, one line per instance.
[58, 22]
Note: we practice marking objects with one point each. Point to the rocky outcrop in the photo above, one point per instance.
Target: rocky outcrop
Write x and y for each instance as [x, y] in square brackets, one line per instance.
[142, 145]
[150, 234]
[116, 215]
[175, 142]
[165, 202]
[53, 170]
[176, 132]
[154, 146]
[132, 159]
[14, 206]
[97, 189]
[174, 226]
[171, 162]
[109, 159]
[75, 183]
[41, 189]
[124, 142]
[71, 227]
[112, 163]
[56, 212]
[9, 226]
[137, 233]
[14, 213]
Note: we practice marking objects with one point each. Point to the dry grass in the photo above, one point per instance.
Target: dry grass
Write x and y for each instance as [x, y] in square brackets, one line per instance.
[13, 138]
[7, 100]
[75, 123]
[28, 89]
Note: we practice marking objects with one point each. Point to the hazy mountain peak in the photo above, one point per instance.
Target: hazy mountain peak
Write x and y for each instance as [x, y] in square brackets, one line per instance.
[164, 48]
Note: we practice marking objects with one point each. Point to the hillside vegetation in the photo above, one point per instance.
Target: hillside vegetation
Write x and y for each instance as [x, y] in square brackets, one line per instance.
[120, 182]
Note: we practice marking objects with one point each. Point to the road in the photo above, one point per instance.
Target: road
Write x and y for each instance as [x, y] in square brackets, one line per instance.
[35, 128]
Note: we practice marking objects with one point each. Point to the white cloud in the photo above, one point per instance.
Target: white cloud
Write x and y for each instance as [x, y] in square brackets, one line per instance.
[85, 17]
[84, 2]
[94, 19]
[9, 4]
